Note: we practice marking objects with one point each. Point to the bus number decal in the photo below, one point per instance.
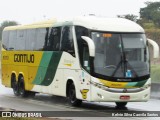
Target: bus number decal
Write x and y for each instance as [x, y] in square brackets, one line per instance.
[84, 93]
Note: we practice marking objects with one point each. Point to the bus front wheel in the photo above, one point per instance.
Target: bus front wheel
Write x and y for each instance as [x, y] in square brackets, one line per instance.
[121, 104]
[72, 96]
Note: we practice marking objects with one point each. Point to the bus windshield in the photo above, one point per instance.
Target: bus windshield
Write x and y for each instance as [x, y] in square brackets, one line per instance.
[120, 55]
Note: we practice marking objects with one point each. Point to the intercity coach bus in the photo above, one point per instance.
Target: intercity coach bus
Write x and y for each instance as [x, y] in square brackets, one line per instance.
[86, 58]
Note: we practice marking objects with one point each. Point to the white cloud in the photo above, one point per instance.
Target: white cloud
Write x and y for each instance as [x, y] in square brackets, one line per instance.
[25, 11]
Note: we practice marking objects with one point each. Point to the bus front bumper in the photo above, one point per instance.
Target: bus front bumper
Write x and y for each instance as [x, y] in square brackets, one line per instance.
[100, 95]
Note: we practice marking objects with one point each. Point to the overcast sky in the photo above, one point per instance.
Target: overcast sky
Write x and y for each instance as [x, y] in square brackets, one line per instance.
[28, 11]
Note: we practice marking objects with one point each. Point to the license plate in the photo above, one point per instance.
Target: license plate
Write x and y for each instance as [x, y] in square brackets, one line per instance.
[124, 97]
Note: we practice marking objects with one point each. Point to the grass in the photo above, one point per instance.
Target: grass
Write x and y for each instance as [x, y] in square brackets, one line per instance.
[155, 73]
[149, 25]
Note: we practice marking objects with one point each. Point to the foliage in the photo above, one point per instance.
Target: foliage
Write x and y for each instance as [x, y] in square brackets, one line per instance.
[151, 13]
[5, 24]
[149, 25]
[129, 17]
[153, 34]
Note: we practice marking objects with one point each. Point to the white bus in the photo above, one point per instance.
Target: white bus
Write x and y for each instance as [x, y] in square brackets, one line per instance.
[87, 58]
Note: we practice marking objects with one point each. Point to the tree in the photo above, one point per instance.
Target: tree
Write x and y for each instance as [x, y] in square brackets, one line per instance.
[5, 24]
[129, 17]
[151, 13]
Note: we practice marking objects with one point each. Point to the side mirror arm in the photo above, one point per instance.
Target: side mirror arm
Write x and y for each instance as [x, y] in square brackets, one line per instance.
[155, 48]
[91, 45]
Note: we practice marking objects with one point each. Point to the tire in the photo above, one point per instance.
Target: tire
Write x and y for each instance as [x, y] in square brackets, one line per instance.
[21, 87]
[121, 104]
[72, 96]
[14, 86]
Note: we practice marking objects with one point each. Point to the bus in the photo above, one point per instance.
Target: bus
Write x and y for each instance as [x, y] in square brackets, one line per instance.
[86, 58]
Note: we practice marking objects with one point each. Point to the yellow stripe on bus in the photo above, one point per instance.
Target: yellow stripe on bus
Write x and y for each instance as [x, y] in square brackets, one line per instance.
[113, 84]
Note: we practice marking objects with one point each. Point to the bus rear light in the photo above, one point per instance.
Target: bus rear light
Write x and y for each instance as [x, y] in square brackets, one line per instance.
[124, 97]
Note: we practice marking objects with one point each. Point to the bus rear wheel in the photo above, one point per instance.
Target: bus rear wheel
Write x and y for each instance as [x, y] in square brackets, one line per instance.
[72, 96]
[21, 86]
[14, 85]
[121, 104]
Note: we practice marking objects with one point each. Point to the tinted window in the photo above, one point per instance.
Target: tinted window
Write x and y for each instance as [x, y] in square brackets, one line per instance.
[67, 40]
[54, 39]
[82, 45]
[46, 39]
[12, 40]
[20, 40]
[5, 38]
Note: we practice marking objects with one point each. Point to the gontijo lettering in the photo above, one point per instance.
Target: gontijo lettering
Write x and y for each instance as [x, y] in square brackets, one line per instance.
[25, 58]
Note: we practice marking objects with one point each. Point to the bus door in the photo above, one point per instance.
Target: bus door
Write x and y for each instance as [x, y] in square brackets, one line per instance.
[85, 76]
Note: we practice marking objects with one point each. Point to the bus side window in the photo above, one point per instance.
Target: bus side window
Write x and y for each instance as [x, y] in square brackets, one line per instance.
[86, 62]
[5, 38]
[12, 40]
[83, 47]
[67, 40]
[54, 39]
[20, 41]
[40, 39]
[31, 39]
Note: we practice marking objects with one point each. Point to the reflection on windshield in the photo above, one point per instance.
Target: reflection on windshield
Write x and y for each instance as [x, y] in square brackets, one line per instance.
[120, 55]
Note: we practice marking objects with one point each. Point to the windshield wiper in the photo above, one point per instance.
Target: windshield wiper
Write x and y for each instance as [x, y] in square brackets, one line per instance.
[125, 61]
[119, 64]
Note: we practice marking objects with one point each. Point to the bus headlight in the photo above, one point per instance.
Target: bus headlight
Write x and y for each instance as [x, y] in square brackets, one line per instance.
[98, 85]
[146, 86]
[120, 90]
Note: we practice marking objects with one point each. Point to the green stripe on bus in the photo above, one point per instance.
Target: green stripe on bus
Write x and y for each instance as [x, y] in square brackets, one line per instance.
[136, 84]
[47, 68]
[52, 68]
[141, 83]
[45, 60]
[131, 84]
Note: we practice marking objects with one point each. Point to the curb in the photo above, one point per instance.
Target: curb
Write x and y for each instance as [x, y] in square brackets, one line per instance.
[6, 109]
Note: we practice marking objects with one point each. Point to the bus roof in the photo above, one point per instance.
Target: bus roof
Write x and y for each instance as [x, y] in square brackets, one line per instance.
[90, 22]
[42, 24]
[108, 24]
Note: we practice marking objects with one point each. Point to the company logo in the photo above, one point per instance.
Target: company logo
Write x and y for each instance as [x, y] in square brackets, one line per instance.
[124, 90]
[24, 58]
[124, 80]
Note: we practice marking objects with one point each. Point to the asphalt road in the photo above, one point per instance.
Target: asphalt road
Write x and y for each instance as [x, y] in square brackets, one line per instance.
[59, 107]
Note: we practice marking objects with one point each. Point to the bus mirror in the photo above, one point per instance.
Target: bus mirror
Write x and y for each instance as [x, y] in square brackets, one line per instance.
[155, 48]
[90, 45]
